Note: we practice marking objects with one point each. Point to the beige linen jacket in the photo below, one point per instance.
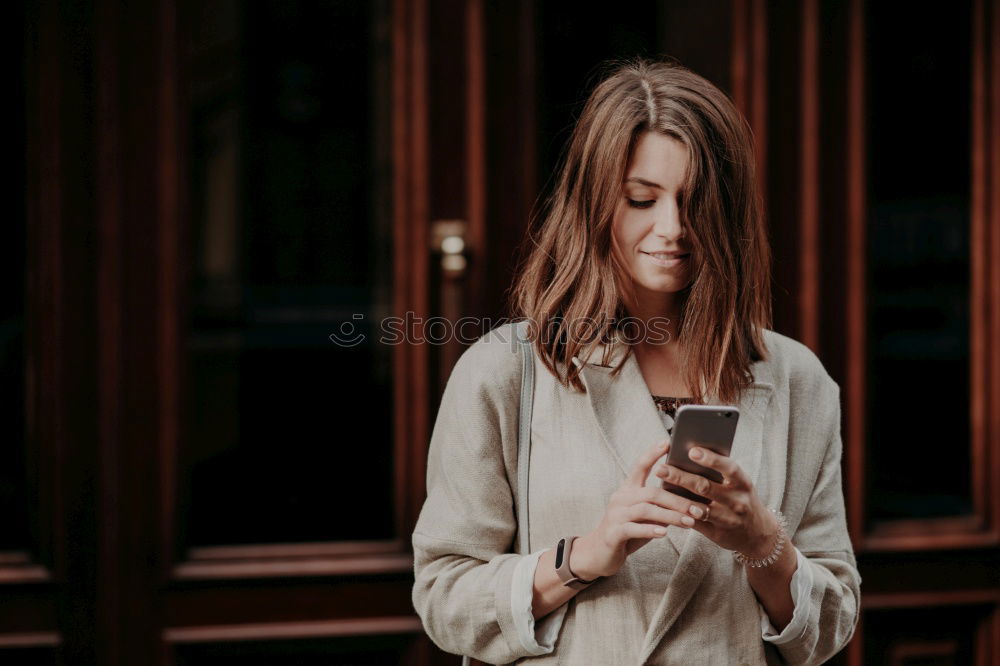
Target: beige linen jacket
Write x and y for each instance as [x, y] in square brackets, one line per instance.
[680, 599]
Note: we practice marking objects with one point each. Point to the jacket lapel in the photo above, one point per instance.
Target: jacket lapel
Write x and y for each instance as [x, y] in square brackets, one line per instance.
[699, 551]
[629, 423]
[625, 412]
[627, 416]
[628, 419]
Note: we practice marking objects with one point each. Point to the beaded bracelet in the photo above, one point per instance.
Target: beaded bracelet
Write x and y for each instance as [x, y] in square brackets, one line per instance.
[779, 545]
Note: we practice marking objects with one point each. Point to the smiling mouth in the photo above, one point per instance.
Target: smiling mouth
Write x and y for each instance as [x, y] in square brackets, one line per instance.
[666, 258]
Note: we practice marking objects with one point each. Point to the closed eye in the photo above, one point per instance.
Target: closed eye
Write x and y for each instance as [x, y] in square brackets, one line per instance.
[641, 204]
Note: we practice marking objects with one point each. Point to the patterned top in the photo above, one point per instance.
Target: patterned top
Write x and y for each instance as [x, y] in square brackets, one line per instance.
[667, 405]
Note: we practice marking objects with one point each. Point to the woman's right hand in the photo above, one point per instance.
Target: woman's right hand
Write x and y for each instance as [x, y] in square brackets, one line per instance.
[636, 513]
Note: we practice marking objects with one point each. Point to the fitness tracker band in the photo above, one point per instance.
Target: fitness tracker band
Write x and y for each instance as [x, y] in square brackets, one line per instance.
[568, 578]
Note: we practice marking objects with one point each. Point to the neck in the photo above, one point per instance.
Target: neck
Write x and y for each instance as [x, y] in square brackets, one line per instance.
[659, 315]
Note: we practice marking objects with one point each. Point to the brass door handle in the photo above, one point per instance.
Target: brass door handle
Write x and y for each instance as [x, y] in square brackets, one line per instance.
[448, 241]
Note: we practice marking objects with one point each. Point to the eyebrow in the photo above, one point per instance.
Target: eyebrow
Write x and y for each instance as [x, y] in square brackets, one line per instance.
[643, 181]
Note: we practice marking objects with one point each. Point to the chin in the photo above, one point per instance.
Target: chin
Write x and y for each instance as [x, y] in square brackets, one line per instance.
[664, 288]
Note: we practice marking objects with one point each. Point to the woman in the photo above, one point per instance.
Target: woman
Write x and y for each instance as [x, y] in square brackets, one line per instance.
[647, 287]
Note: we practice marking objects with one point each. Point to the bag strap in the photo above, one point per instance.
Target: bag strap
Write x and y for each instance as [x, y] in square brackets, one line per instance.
[524, 439]
[523, 443]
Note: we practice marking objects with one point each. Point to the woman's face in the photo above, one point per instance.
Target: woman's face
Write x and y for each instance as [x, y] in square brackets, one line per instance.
[648, 225]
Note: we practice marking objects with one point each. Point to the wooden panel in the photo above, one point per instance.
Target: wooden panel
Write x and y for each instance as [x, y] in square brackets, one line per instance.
[309, 559]
[991, 20]
[990, 14]
[749, 75]
[809, 303]
[929, 575]
[931, 635]
[787, 190]
[283, 601]
[29, 656]
[475, 153]
[28, 617]
[447, 82]
[924, 652]
[59, 343]
[854, 388]
[683, 25]
[37, 438]
[410, 150]
[519, 134]
[386, 648]
[273, 631]
[985, 274]
[130, 215]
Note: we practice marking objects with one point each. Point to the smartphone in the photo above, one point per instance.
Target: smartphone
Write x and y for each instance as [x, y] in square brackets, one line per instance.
[709, 426]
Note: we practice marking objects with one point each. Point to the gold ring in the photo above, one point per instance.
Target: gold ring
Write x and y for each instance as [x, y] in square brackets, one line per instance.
[707, 511]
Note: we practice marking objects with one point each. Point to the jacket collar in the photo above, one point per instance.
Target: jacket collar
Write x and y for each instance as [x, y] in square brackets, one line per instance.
[629, 423]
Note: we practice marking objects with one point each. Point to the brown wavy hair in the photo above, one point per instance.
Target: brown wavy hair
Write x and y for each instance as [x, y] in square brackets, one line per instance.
[570, 270]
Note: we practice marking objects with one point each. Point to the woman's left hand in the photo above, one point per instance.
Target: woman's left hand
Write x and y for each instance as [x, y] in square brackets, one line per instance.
[736, 519]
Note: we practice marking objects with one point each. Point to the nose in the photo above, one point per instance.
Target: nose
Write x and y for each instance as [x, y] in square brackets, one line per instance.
[667, 220]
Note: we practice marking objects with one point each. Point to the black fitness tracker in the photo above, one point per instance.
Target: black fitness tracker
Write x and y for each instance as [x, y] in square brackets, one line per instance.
[568, 578]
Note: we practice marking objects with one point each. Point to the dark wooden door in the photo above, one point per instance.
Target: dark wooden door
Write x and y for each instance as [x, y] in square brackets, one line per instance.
[210, 453]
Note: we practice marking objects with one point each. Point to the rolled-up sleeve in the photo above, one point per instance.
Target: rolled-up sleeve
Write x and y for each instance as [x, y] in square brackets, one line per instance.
[822, 538]
[537, 637]
[462, 595]
[800, 588]
[462, 542]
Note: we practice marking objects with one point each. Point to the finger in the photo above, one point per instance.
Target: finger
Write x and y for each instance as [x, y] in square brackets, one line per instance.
[645, 462]
[725, 465]
[647, 512]
[626, 531]
[670, 500]
[699, 485]
[720, 516]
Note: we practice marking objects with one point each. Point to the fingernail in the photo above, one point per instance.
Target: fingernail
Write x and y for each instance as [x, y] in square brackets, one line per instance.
[687, 520]
[660, 530]
[696, 511]
[696, 454]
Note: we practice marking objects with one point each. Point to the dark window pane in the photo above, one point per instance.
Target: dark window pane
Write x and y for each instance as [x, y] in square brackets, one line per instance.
[919, 96]
[290, 202]
[13, 480]
[579, 38]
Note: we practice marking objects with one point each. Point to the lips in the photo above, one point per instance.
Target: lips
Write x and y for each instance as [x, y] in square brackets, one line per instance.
[667, 259]
[667, 255]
